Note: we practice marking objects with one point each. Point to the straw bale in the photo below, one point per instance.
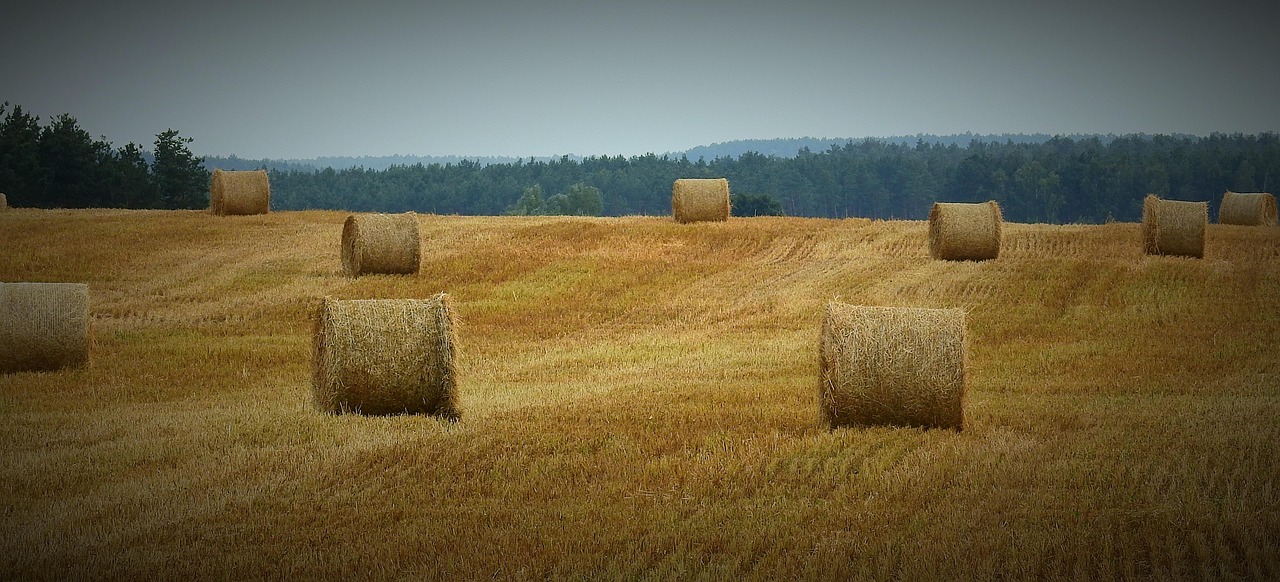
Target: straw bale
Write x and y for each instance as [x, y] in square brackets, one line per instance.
[43, 326]
[385, 356]
[1172, 227]
[1248, 209]
[892, 366]
[4, 203]
[381, 243]
[700, 199]
[239, 193]
[965, 232]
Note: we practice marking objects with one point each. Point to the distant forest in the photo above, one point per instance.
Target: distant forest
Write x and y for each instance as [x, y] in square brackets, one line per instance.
[1036, 178]
[1061, 179]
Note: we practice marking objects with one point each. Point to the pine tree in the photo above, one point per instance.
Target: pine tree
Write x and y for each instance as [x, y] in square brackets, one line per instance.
[179, 176]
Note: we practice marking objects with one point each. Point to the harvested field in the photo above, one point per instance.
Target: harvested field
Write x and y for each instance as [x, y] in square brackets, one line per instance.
[638, 402]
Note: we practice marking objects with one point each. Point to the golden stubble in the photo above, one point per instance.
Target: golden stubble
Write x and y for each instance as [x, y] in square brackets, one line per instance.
[639, 400]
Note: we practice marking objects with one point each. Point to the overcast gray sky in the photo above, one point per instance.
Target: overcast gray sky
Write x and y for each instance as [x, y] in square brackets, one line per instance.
[490, 77]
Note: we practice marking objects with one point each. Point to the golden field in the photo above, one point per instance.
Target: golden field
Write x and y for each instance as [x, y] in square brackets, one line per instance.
[639, 401]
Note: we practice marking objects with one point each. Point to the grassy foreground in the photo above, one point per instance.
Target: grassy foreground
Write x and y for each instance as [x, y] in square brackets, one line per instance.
[639, 400]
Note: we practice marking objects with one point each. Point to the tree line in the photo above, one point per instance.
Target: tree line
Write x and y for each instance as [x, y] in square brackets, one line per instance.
[60, 165]
[1061, 179]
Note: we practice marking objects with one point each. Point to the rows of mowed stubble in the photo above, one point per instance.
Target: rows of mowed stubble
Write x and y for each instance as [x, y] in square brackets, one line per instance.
[639, 398]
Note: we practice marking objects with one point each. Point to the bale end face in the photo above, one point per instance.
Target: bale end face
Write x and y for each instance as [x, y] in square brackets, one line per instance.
[892, 366]
[700, 199]
[382, 357]
[965, 232]
[43, 326]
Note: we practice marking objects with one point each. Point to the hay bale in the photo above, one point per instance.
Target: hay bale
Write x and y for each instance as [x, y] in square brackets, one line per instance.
[381, 243]
[965, 232]
[385, 356]
[4, 203]
[1250, 209]
[696, 199]
[239, 193]
[1172, 227]
[892, 366]
[43, 326]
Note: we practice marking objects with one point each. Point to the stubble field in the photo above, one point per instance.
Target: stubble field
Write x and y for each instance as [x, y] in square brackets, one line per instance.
[639, 400]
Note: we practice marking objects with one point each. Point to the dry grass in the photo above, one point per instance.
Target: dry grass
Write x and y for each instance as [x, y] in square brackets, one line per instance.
[639, 403]
[1251, 209]
[1173, 227]
[700, 199]
[239, 193]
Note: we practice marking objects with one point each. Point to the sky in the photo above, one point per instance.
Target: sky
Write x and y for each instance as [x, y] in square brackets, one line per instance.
[295, 79]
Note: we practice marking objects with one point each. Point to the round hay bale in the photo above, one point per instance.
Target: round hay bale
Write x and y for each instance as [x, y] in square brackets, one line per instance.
[4, 203]
[385, 356]
[700, 199]
[1249, 209]
[239, 193]
[1172, 227]
[381, 243]
[43, 326]
[965, 232]
[892, 366]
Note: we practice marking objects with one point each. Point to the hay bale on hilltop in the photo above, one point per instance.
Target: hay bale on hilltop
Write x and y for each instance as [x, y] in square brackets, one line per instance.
[239, 193]
[965, 232]
[43, 326]
[700, 199]
[1172, 227]
[385, 356]
[892, 366]
[381, 243]
[1248, 209]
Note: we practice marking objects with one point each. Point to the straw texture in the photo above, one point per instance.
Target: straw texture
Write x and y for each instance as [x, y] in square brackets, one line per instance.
[239, 193]
[965, 232]
[1172, 227]
[381, 243]
[1248, 209]
[700, 199]
[385, 356]
[892, 366]
[43, 326]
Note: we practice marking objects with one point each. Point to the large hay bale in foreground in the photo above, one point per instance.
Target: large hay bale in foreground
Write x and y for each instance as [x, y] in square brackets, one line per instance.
[43, 326]
[1248, 209]
[239, 193]
[381, 243]
[892, 366]
[700, 199]
[1172, 227]
[965, 232]
[385, 356]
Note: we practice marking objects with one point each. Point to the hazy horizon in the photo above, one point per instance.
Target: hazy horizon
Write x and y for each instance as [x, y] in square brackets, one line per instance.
[496, 78]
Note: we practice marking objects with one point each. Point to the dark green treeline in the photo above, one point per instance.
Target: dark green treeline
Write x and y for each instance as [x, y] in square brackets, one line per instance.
[1056, 181]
